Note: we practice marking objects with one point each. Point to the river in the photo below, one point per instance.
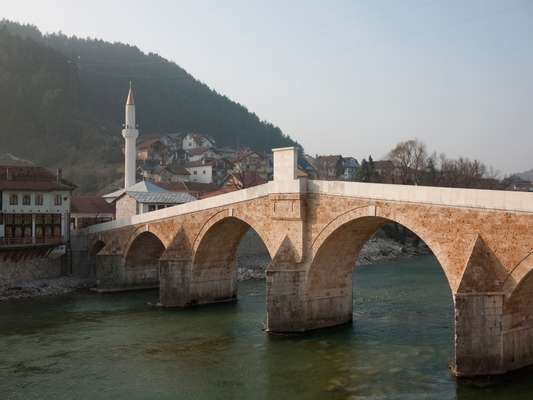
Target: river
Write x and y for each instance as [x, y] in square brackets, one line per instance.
[117, 346]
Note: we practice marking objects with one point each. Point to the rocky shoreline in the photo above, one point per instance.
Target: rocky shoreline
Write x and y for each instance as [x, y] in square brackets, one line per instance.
[44, 287]
[376, 250]
[250, 266]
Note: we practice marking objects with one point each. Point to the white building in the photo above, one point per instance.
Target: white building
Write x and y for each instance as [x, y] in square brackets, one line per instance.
[196, 141]
[200, 171]
[146, 196]
[34, 205]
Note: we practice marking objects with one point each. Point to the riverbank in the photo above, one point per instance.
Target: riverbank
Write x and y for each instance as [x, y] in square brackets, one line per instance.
[44, 287]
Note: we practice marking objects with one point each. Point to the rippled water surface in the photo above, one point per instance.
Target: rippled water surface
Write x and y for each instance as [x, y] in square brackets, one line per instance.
[116, 346]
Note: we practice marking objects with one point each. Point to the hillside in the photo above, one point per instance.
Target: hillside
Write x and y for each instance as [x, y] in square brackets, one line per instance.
[62, 103]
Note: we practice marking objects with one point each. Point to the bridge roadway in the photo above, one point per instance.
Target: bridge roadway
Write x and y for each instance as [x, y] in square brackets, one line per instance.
[313, 231]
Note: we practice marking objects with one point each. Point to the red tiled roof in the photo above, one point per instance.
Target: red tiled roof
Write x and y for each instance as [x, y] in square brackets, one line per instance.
[91, 205]
[31, 178]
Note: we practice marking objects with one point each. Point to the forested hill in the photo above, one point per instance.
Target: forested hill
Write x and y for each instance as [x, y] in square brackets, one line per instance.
[62, 99]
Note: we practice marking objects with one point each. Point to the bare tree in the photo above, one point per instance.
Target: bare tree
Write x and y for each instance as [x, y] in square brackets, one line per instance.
[411, 157]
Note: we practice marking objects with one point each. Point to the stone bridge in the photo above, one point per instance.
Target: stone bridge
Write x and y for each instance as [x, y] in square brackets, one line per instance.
[314, 231]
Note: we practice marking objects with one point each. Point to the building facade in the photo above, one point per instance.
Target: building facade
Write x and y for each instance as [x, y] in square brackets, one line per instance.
[35, 205]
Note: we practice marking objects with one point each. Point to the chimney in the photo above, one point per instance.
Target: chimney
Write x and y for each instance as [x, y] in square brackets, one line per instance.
[58, 174]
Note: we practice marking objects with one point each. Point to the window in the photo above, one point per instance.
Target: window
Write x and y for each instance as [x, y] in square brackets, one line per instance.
[58, 200]
[18, 225]
[151, 207]
[26, 200]
[195, 172]
[38, 199]
[13, 200]
[203, 172]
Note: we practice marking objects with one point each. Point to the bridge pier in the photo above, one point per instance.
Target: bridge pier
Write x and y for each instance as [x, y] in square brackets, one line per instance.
[180, 286]
[114, 274]
[109, 271]
[332, 310]
[478, 334]
[214, 285]
[175, 283]
[285, 303]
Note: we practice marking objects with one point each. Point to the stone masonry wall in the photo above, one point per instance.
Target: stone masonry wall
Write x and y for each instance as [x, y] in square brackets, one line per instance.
[13, 273]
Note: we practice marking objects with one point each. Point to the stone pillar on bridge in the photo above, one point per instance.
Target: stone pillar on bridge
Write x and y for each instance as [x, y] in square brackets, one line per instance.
[478, 334]
[175, 273]
[175, 282]
[286, 274]
[110, 271]
[479, 310]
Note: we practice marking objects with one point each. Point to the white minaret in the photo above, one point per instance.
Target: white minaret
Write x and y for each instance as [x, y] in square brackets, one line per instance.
[130, 134]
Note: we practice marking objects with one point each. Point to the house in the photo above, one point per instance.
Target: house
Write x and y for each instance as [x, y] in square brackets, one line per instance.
[309, 165]
[252, 161]
[34, 205]
[350, 166]
[329, 168]
[145, 197]
[208, 170]
[154, 171]
[388, 172]
[152, 149]
[90, 210]
[200, 171]
[196, 141]
[202, 153]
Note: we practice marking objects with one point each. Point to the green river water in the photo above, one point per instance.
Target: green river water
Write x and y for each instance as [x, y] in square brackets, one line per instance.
[116, 346]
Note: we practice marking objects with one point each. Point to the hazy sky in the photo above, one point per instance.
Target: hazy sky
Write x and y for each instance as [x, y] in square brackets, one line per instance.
[348, 77]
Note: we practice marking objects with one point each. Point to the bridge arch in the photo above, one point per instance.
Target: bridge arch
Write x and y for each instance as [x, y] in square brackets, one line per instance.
[519, 302]
[343, 238]
[144, 248]
[214, 263]
[224, 216]
[329, 276]
[518, 275]
[141, 261]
